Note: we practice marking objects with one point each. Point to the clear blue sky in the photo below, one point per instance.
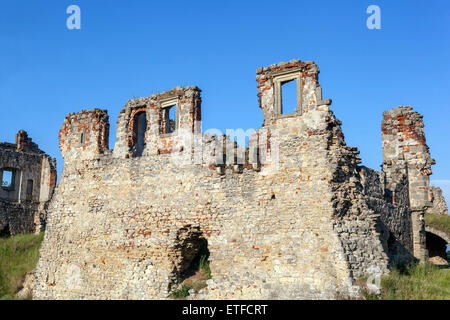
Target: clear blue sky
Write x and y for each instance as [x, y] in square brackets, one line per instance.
[132, 48]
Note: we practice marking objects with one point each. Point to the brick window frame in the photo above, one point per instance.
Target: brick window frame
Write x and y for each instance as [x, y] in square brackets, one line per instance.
[132, 127]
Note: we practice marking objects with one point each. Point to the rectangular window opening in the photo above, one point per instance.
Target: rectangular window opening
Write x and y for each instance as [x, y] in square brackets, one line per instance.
[7, 181]
[29, 190]
[289, 96]
[170, 119]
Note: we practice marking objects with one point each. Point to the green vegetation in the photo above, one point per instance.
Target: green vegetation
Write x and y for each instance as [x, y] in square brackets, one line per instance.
[204, 266]
[438, 221]
[183, 292]
[18, 255]
[197, 281]
[421, 281]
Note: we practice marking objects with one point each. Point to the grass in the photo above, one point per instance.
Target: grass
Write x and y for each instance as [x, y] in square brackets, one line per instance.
[438, 221]
[18, 255]
[204, 266]
[196, 282]
[183, 292]
[421, 281]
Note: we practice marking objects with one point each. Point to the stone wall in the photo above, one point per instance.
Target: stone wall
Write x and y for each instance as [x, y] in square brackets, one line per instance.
[84, 135]
[157, 139]
[32, 177]
[407, 162]
[297, 218]
[439, 205]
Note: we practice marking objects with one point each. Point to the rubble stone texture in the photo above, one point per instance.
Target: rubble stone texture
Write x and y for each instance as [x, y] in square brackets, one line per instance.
[303, 221]
[27, 191]
[439, 206]
[406, 158]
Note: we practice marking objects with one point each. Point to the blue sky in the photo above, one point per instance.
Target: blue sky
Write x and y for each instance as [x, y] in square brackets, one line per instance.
[128, 49]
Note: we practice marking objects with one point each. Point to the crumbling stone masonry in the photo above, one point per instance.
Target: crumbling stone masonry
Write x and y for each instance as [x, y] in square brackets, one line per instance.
[439, 206]
[298, 218]
[437, 240]
[406, 159]
[28, 178]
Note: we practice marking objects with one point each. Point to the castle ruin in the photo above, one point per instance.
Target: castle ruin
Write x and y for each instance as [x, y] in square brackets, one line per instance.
[28, 177]
[293, 216]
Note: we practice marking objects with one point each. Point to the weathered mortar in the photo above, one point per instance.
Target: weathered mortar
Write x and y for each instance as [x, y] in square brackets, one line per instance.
[303, 222]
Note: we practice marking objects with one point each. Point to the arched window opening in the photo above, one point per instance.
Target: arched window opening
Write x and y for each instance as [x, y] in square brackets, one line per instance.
[436, 246]
[139, 129]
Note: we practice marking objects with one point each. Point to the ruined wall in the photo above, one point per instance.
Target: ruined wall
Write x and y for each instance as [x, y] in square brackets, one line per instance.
[439, 205]
[32, 174]
[127, 223]
[18, 218]
[407, 162]
[157, 140]
[270, 80]
[298, 219]
[394, 222]
[84, 135]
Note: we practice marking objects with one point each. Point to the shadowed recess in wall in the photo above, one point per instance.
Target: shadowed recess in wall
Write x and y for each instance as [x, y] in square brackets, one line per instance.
[190, 248]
